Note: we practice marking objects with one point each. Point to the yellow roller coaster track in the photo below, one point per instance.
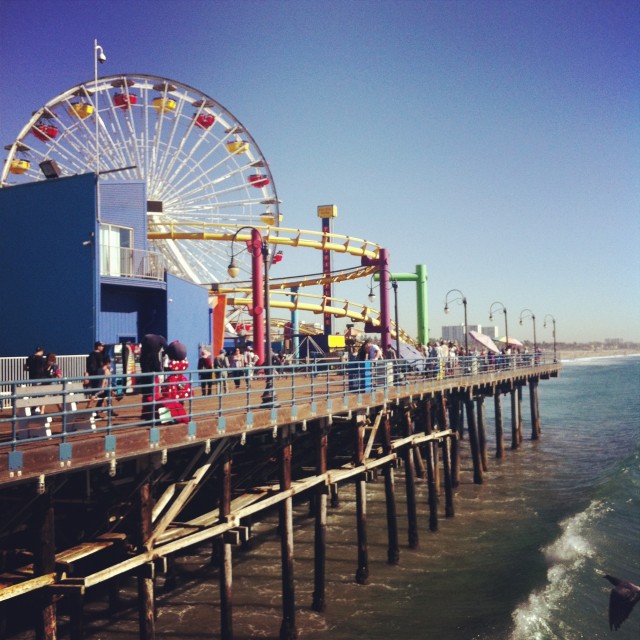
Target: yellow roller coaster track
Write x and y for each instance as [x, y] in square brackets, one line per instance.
[319, 240]
[186, 230]
[319, 305]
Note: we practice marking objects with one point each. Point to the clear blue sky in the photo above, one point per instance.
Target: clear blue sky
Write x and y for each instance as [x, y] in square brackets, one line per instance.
[494, 141]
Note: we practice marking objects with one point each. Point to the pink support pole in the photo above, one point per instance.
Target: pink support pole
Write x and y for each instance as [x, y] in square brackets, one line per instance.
[257, 288]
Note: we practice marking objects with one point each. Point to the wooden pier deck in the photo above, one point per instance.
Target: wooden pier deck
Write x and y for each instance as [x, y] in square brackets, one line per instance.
[122, 496]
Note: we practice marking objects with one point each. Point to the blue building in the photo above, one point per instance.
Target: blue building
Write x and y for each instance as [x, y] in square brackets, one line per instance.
[76, 266]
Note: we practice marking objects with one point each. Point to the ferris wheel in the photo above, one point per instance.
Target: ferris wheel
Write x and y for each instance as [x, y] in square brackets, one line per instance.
[199, 163]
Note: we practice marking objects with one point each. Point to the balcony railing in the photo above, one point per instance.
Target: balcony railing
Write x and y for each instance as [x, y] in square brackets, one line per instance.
[120, 262]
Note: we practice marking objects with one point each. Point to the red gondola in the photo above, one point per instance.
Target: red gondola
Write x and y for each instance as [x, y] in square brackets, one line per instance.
[258, 180]
[124, 100]
[44, 131]
[205, 120]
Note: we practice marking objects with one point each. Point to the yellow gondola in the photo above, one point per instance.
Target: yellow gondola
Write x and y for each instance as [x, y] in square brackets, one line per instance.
[164, 105]
[19, 166]
[236, 147]
[80, 110]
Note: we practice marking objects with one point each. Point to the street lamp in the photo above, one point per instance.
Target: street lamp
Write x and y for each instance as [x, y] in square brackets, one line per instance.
[554, 333]
[462, 300]
[98, 56]
[533, 318]
[394, 284]
[258, 247]
[506, 326]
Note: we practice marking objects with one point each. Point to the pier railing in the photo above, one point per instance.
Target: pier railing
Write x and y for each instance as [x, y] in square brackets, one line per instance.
[59, 410]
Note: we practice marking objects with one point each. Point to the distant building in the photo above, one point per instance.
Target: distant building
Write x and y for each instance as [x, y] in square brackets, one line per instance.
[455, 333]
[613, 342]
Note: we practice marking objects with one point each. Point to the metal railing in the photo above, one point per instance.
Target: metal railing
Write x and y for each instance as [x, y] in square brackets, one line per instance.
[57, 409]
[131, 263]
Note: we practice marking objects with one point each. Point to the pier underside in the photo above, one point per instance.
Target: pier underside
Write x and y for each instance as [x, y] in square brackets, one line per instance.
[73, 532]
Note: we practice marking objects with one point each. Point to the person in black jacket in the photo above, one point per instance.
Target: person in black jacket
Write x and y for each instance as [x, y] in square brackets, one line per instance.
[36, 365]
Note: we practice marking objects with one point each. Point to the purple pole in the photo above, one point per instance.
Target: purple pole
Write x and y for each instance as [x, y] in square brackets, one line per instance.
[385, 313]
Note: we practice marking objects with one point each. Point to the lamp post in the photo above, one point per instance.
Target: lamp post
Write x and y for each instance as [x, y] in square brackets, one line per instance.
[463, 300]
[98, 56]
[506, 326]
[258, 248]
[533, 318]
[554, 333]
[394, 284]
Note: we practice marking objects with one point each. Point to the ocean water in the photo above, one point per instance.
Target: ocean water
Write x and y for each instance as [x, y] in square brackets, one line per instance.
[522, 559]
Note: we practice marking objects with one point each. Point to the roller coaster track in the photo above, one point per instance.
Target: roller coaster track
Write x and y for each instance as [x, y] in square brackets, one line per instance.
[241, 296]
[195, 230]
[320, 305]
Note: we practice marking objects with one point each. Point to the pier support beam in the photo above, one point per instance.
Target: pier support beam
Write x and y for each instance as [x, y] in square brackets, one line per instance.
[431, 485]
[535, 413]
[393, 549]
[515, 440]
[288, 630]
[362, 572]
[454, 417]
[473, 442]
[454, 452]
[497, 408]
[44, 561]
[482, 432]
[449, 510]
[146, 573]
[410, 483]
[520, 438]
[225, 555]
[320, 534]
[76, 616]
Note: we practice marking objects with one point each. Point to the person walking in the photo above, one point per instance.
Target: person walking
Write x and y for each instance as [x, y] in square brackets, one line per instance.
[237, 366]
[220, 365]
[205, 367]
[250, 361]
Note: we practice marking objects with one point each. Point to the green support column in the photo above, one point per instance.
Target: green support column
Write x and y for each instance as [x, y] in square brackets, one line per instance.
[420, 278]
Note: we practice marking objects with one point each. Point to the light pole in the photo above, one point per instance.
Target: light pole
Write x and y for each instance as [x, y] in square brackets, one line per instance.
[463, 300]
[554, 333]
[506, 326]
[533, 318]
[98, 56]
[394, 284]
[258, 248]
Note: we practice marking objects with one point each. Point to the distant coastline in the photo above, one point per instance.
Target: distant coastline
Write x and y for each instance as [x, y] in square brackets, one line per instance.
[569, 354]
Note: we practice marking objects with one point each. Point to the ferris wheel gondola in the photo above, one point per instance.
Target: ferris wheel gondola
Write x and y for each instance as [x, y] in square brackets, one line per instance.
[199, 163]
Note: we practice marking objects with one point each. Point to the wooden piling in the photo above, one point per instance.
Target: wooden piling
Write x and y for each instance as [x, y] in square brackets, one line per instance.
[431, 486]
[449, 511]
[519, 386]
[454, 449]
[473, 441]
[44, 561]
[482, 432]
[76, 616]
[225, 554]
[288, 630]
[515, 441]
[497, 408]
[533, 402]
[393, 548]
[320, 533]
[362, 571]
[146, 573]
[335, 495]
[410, 483]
